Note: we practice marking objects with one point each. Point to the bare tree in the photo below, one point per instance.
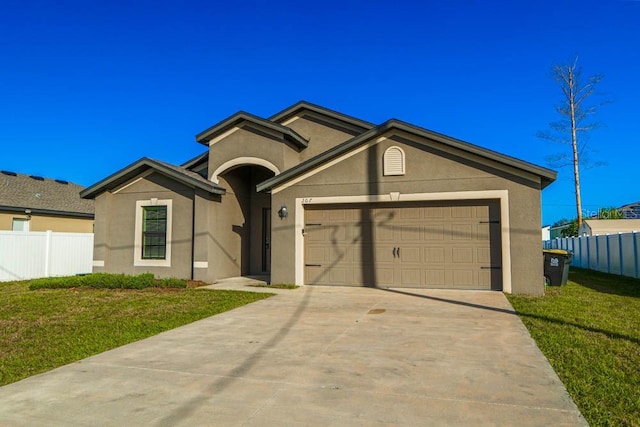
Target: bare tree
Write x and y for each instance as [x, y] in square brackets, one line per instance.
[576, 109]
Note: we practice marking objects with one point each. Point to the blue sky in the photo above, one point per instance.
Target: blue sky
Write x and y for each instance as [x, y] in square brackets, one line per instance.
[87, 87]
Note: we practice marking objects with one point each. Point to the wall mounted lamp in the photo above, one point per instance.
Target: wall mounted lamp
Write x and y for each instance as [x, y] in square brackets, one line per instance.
[283, 212]
[28, 213]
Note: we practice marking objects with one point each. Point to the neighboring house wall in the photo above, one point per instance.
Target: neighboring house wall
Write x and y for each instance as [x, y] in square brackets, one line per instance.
[595, 227]
[44, 223]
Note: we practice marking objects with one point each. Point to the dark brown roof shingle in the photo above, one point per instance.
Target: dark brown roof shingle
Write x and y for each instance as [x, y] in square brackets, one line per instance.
[36, 193]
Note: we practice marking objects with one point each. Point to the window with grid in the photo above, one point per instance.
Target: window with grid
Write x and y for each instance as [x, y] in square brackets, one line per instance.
[154, 232]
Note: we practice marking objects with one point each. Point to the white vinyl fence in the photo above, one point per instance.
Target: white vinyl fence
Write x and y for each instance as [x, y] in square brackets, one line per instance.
[30, 255]
[610, 253]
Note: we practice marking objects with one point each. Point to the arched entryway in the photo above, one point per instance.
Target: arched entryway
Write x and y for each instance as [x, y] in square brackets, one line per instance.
[246, 217]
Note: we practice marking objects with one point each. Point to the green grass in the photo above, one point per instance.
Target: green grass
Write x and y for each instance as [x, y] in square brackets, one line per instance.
[590, 332]
[44, 329]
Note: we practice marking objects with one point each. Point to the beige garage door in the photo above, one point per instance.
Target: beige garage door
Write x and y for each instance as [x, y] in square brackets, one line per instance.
[428, 245]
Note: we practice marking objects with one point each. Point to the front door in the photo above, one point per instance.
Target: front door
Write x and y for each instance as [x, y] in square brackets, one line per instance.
[266, 240]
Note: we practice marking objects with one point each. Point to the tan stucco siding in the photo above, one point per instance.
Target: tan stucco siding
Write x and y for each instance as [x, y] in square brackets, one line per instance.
[47, 222]
[428, 170]
[322, 135]
[245, 142]
[114, 238]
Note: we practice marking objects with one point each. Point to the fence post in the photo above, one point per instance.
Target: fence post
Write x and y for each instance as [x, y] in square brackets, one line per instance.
[47, 253]
[635, 252]
[620, 255]
[608, 253]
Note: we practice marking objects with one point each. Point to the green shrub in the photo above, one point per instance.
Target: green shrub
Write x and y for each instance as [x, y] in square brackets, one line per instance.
[107, 281]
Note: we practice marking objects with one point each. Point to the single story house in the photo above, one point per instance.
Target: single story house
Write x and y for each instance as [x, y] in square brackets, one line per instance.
[313, 196]
[34, 203]
[597, 227]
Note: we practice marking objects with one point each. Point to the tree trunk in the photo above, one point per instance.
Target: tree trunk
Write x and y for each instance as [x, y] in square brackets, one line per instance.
[574, 143]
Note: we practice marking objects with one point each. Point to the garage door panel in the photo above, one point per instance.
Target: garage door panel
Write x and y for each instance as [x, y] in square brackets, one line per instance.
[410, 254]
[462, 255]
[433, 232]
[461, 232]
[484, 279]
[434, 278]
[338, 275]
[385, 276]
[384, 233]
[433, 255]
[411, 277]
[462, 278]
[462, 212]
[482, 212]
[433, 212]
[483, 255]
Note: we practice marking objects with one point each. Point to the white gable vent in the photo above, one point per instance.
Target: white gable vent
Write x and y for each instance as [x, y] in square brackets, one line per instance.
[393, 160]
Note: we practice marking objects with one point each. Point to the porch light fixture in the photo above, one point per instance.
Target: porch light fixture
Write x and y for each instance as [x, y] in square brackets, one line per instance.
[283, 212]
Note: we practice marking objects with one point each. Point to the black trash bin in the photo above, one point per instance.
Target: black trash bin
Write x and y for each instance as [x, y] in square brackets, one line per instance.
[556, 266]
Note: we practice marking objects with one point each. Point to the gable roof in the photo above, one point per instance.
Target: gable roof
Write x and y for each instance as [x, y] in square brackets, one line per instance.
[199, 159]
[304, 105]
[178, 173]
[547, 175]
[42, 195]
[289, 134]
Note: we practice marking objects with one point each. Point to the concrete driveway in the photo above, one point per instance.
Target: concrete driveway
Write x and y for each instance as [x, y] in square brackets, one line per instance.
[315, 356]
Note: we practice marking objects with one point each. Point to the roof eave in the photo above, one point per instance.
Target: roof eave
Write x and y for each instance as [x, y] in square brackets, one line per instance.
[135, 169]
[547, 176]
[22, 209]
[302, 105]
[292, 136]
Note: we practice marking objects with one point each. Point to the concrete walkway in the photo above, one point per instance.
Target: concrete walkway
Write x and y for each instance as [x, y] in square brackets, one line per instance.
[314, 356]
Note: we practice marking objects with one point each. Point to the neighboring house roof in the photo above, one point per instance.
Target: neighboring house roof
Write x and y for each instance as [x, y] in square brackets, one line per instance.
[547, 176]
[611, 226]
[304, 105]
[229, 123]
[178, 173]
[630, 211]
[19, 192]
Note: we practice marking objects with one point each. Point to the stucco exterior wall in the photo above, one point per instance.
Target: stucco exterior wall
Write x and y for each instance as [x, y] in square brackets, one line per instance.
[115, 228]
[46, 222]
[322, 135]
[429, 169]
[246, 142]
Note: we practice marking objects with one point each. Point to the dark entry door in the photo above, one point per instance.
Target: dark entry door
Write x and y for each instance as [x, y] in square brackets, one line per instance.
[266, 240]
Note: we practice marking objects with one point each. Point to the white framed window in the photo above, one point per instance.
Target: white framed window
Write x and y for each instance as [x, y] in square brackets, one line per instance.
[393, 161]
[20, 224]
[152, 241]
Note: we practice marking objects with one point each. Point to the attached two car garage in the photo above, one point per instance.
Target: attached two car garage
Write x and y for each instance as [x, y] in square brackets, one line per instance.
[452, 244]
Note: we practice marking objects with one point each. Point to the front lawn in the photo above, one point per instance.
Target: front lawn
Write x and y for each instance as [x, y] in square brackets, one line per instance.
[46, 328]
[590, 332]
